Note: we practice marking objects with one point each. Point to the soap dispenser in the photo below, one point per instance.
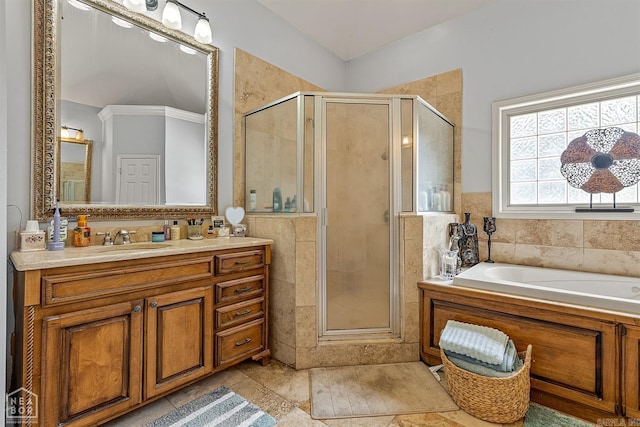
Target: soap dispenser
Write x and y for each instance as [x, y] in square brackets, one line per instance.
[56, 244]
[82, 233]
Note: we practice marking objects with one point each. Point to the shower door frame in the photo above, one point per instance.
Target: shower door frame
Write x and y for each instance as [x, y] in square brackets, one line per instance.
[394, 207]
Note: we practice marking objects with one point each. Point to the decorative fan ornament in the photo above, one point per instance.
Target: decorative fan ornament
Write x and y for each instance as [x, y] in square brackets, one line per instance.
[602, 161]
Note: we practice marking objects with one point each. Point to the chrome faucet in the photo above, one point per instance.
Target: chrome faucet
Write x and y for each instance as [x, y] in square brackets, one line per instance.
[126, 239]
[107, 238]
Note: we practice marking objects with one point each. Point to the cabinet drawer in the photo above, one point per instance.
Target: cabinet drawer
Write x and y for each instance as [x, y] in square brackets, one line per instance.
[70, 287]
[239, 342]
[239, 290]
[236, 314]
[239, 262]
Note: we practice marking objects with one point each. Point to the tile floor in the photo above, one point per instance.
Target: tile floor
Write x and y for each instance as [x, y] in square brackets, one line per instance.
[283, 392]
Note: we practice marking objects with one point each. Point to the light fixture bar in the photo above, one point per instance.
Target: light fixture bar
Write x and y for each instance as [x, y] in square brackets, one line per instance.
[171, 18]
[184, 6]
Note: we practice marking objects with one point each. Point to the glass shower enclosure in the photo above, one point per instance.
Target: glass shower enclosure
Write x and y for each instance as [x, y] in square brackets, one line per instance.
[357, 162]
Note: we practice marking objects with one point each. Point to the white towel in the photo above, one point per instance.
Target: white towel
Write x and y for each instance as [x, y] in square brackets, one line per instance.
[479, 342]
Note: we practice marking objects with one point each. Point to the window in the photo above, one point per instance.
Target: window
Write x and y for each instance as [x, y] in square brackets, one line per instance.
[531, 133]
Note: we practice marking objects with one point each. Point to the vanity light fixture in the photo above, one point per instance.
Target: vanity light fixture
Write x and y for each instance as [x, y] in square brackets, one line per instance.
[121, 22]
[187, 50]
[171, 18]
[157, 37]
[64, 132]
[139, 6]
[79, 5]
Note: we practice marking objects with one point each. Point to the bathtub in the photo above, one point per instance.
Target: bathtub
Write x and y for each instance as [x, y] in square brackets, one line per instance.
[600, 291]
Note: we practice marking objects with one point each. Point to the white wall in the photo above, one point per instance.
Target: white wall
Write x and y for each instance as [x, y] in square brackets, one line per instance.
[511, 48]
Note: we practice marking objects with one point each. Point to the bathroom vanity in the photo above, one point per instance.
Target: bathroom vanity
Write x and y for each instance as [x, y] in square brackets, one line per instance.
[585, 360]
[103, 330]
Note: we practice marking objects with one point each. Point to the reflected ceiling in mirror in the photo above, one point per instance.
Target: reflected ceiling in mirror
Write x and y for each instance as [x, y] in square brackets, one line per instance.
[88, 70]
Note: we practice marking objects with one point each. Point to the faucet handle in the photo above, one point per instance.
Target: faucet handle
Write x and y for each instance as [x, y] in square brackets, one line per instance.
[107, 237]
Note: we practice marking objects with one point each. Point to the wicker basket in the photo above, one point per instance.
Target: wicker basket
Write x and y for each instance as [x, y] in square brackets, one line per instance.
[497, 400]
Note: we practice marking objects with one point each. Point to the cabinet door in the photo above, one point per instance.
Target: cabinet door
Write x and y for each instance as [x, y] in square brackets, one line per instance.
[92, 362]
[178, 339]
[631, 371]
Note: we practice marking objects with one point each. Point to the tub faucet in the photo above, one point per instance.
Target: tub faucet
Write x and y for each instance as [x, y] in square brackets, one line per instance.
[126, 239]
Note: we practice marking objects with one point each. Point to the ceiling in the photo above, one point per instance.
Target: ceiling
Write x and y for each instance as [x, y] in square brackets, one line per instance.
[351, 28]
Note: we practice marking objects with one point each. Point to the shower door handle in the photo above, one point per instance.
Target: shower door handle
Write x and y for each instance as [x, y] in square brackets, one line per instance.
[386, 216]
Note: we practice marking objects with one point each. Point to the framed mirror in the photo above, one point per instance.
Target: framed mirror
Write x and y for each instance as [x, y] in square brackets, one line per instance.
[146, 98]
[73, 170]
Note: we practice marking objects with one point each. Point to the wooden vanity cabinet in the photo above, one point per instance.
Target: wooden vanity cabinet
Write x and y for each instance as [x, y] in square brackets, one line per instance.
[95, 341]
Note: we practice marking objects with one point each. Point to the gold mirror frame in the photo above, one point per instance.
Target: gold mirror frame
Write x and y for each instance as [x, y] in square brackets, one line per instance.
[46, 127]
[87, 143]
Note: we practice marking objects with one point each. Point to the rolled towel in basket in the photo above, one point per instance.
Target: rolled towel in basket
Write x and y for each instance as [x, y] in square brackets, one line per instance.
[483, 370]
[508, 362]
[479, 342]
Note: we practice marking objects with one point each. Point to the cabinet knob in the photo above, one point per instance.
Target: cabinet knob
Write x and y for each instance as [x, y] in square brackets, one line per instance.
[137, 308]
[154, 304]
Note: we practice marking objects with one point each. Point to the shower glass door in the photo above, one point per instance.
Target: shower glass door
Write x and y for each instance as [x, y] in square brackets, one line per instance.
[356, 232]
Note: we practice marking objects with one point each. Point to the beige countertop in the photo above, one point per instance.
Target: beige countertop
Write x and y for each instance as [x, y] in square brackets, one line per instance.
[70, 256]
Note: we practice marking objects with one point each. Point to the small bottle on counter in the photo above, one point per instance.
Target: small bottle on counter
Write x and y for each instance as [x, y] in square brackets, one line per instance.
[277, 200]
[175, 231]
[167, 230]
[82, 233]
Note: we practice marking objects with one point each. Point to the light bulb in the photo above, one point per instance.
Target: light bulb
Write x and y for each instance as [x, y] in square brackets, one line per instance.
[202, 32]
[121, 22]
[64, 132]
[171, 17]
[78, 5]
[80, 135]
[135, 5]
[157, 37]
[187, 50]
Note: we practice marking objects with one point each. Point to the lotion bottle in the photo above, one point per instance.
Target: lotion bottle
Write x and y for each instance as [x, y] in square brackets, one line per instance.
[277, 200]
[175, 231]
[82, 233]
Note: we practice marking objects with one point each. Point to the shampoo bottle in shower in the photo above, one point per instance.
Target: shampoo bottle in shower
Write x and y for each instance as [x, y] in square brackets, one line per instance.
[252, 200]
[277, 200]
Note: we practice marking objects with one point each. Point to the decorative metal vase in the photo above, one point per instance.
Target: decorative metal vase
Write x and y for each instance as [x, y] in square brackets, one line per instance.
[468, 242]
[489, 228]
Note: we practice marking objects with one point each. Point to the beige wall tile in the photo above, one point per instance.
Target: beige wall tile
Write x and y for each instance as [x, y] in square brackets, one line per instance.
[282, 312]
[500, 252]
[411, 322]
[283, 352]
[546, 232]
[306, 274]
[449, 82]
[617, 235]
[306, 327]
[412, 227]
[625, 263]
[282, 230]
[306, 228]
[549, 256]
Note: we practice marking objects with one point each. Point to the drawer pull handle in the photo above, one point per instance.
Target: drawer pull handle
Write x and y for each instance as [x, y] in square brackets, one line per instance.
[245, 289]
[242, 313]
[247, 261]
[246, 341]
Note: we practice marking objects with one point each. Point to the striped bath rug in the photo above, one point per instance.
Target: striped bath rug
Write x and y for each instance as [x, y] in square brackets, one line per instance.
[221, 407]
